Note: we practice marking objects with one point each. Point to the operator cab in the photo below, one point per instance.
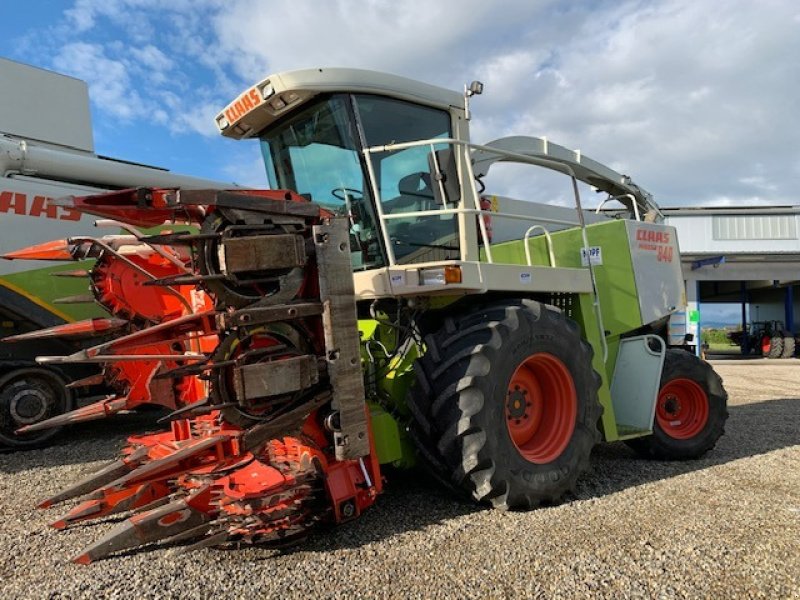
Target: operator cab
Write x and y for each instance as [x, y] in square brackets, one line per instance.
[319, 153]
[317, 148]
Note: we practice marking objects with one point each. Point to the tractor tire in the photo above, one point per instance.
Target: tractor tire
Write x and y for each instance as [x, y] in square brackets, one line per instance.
[773, 345]
[29, 395]
[691, 410]
[505, 404]
[788, 345]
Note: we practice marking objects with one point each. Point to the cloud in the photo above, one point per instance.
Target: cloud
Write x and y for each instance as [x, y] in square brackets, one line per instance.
[109, 80]
[695, 102]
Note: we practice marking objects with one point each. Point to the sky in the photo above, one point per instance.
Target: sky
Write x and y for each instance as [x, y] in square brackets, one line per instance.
[697, 100]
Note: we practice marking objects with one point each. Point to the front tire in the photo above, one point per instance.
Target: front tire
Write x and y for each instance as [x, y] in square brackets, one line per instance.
[505, 403]
[691, 410]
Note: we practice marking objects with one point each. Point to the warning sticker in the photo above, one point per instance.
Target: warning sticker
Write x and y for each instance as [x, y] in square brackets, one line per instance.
[593, 255]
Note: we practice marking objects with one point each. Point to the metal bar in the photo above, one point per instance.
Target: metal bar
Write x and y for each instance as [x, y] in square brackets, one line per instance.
[549, 244]
[118, 358]
[595, 295]
[342, 347]
[270, 314]
[387, 240]
[476, 200]
[141, 237]
[451, 211]
[249, 201]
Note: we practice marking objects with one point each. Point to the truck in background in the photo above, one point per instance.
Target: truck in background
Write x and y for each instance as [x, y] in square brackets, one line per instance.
[47, 151]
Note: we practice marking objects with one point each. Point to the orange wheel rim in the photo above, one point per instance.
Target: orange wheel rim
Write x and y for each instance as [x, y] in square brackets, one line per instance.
[682, 409]
[766, 344]
[541, 407]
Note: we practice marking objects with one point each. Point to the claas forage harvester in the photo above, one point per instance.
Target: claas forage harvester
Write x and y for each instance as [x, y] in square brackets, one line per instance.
[378, 306]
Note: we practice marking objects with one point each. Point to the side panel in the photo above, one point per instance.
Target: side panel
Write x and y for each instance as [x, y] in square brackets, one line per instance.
[636, 265]
[612, 265]
[26, 218]
[657, 269]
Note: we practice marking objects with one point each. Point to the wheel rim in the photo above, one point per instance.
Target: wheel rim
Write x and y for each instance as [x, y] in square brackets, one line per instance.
[29, 404]
[766, 344]
[541, 407]
[28, 396]
[682, 409]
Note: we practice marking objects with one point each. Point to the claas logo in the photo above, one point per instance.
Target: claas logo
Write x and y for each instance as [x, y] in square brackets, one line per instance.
[17, 203]
[243, 105]
[648, 235]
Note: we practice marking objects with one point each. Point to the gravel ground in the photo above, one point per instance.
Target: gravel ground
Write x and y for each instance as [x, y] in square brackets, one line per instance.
[724, 526]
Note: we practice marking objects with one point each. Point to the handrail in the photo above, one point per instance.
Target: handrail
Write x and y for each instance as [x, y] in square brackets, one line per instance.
[549, 245]
[517, 157]
[633, 202]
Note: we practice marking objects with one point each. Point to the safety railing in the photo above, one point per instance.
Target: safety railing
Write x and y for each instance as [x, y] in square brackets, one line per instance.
[474, 195]
[464, 149]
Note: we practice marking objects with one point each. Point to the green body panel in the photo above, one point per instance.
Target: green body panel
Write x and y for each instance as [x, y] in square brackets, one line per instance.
[386, 435]
[616, 285]
[42, 288]
[387, 381]
[584, 315]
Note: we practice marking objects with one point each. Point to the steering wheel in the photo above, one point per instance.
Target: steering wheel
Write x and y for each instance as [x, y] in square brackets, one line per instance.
[347, 194]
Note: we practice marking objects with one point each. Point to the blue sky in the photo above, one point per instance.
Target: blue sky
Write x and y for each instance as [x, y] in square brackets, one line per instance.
[697, 102]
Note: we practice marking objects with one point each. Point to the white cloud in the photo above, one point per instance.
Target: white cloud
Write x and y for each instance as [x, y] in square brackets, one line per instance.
[695, 101]
[110, 84]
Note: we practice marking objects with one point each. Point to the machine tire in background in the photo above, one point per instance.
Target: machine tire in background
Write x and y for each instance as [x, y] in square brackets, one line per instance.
[772, 345]
[505, 403]
[788, 345]
[691, 410]
[29, 395]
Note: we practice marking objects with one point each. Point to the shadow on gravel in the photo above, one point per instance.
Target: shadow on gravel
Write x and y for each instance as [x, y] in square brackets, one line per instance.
[414, 501]
[411, 502]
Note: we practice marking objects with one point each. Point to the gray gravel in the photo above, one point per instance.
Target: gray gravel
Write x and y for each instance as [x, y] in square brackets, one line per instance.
[724, 526]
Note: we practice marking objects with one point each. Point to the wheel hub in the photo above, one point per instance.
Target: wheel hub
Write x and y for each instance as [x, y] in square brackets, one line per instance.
[672, 405]
[517, 404]
[682, 409]
[28, 406]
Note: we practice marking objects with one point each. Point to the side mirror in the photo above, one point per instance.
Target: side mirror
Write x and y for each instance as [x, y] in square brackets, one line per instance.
[444, 176]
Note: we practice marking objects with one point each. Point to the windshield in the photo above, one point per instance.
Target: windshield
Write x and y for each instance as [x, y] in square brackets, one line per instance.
[317, 153]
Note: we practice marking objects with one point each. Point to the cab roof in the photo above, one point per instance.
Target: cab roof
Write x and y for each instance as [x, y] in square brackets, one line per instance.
[271, 98]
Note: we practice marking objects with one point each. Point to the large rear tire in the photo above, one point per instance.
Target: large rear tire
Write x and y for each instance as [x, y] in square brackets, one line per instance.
[505, 403]
[27, 396]
[691, 410]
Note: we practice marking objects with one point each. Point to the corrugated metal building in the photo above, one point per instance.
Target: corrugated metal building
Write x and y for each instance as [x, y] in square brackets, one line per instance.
[748, 255]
